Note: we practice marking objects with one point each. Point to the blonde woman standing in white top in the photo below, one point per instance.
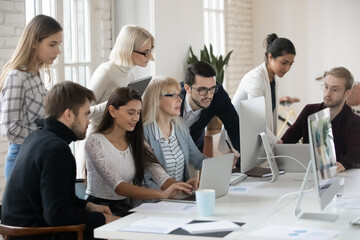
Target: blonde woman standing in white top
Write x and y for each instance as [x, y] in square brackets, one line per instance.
[133, 47]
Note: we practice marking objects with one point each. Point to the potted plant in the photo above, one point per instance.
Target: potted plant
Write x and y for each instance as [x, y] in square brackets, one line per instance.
[219, 64]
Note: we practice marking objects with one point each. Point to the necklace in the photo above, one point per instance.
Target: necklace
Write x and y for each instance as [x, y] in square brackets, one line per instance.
[124, 153]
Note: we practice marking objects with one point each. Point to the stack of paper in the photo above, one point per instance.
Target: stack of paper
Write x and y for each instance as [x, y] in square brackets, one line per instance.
[156, 225]
[166, 207]
[209, 227]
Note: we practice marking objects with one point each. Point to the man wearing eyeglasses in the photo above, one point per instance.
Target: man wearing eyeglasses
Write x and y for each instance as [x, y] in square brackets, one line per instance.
[337, 88]
[204, 98]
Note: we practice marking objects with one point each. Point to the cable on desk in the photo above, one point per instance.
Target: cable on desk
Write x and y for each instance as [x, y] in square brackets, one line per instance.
[292, 193]
[286, 157]
[288, 194]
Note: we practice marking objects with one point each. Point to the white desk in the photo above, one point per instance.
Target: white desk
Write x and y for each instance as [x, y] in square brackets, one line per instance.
[286, 216]
[256, 209]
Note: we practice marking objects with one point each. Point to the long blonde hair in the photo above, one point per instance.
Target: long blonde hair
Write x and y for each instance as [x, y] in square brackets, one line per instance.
[24, 57]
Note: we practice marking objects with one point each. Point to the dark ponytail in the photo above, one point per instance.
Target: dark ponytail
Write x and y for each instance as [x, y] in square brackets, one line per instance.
[278, 46]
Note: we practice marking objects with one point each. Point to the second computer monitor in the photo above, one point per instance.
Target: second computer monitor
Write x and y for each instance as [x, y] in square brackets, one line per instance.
[252, 122]
[322, 165]
[323, 156]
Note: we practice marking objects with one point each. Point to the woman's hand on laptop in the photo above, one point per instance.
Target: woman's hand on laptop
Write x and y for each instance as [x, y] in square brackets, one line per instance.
[175, 189]
[194, 183]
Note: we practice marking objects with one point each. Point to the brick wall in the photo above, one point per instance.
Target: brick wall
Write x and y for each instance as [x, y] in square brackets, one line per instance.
[238, 35]
[12, 21]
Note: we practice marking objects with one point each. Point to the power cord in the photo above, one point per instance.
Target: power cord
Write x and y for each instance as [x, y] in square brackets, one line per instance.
[292, 193]
[292, 158]
[286, 195]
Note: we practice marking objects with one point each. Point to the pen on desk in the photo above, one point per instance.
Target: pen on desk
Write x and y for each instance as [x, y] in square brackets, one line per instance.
[228, 144]
[231, 149]
[355, 221]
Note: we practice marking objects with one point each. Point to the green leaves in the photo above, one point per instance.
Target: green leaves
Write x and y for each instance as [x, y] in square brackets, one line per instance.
[219, 63]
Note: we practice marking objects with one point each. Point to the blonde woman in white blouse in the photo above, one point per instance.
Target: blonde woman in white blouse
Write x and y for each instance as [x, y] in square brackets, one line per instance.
[117, 158]
[133, 47]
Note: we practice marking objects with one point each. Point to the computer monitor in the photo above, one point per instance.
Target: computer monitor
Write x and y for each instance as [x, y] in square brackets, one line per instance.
[254, 145]
[322, 165]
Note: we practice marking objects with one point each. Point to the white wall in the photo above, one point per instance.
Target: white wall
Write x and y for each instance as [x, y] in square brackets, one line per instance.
[175, 25]
[325, 33]
[178, 25]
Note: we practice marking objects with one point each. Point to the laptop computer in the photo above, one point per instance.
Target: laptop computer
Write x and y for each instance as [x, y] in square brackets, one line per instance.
[300, 152]
[140, 84]
[215, 174]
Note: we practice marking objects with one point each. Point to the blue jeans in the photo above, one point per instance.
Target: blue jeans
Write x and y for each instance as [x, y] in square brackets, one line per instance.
[10, 158]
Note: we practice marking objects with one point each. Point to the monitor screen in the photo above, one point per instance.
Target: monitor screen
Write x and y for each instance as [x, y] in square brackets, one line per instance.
[252, 122]
[323, 157]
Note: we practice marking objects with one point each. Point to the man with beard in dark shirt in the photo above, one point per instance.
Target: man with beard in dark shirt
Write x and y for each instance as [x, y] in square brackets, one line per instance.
[41, 189]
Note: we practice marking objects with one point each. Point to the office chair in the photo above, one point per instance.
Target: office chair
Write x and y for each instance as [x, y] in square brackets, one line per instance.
[287, 115]
[354, 99]
[12, 231]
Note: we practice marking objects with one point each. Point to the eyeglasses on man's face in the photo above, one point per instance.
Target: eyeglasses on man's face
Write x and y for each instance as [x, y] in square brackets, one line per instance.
[174, 96]
[203, 91]
[334, 90]
[145, 53]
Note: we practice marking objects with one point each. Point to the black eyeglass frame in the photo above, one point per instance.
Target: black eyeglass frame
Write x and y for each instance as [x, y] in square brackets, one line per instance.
[205, 90]
[173, 96]
[145, 54]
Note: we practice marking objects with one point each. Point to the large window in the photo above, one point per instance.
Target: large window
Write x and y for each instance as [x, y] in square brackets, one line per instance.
[75, 61]
[214, 25]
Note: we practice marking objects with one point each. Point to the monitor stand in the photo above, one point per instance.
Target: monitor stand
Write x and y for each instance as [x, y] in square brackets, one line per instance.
[330, 217]
[270, 157]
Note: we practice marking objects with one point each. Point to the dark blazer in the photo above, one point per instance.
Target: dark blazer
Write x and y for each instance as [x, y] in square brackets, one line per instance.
[345, 128]
[41, 187]
[222, 107]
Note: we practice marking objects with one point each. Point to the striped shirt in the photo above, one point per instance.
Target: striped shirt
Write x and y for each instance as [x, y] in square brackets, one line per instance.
[173, 155]
[21, 98]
